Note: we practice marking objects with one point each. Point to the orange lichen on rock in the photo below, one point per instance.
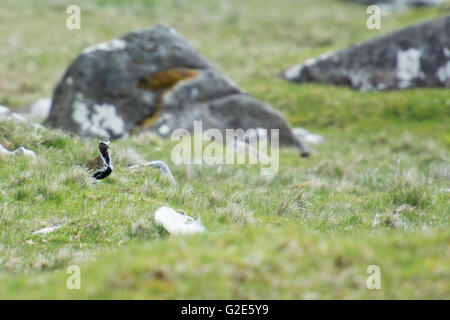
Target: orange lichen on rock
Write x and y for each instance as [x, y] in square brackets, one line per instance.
[147, 122]
[167, 79]
[160, 82]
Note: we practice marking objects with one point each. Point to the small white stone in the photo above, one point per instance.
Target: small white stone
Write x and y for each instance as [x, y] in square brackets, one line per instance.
[308, 137]
[177, 223]
[3, 109]
[40, 109]
[17, 117]
[161, 166]
[47, 230]
[25, 152]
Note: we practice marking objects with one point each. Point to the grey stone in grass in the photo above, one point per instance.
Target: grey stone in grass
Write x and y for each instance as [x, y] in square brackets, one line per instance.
[308, 137]
[39, 110]
[161, 166]
[7, 115]
[413, 57]
[20, 150]
[55, 225]
[47, 230]
[153, 79]
[3, 110]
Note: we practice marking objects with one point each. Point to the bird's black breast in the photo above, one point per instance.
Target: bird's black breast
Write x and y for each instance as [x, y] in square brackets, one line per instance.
[103, 174]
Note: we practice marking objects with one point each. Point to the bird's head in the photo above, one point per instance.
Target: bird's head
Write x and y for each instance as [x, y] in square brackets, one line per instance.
[103, 145]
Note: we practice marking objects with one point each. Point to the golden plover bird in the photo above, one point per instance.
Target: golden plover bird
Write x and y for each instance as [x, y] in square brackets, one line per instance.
[101, 166]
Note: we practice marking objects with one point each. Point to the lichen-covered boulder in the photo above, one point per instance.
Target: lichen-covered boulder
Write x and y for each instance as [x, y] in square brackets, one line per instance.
[153, 79]
[416, 56]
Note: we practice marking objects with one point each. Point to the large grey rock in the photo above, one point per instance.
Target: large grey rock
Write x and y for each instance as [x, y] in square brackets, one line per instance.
[154, 79]
[416, 56]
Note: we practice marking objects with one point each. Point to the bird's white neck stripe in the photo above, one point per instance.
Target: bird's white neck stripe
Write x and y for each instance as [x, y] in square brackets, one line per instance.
[107, 163]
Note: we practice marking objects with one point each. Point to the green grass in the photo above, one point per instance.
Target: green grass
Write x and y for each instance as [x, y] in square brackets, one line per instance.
[372, 193]
[250, 264]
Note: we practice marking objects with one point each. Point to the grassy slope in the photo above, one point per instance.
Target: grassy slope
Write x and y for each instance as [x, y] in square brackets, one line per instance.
[384, 152]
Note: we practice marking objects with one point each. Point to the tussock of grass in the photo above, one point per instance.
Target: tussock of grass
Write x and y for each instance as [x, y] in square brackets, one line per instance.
[128, 157]
[78, 178]
[146, 229]
[293, 203]
[233, 213]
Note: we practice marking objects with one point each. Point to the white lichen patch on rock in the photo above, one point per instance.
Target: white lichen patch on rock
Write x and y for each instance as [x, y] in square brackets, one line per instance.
[103, 122]
[80, 113]
[163, 124]
[443, 73]
[293, 72]
[408, 66]
[69, 81]
[116, 44]
[194, 93]
[359, 79]
[106, 116]
[446, 52]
